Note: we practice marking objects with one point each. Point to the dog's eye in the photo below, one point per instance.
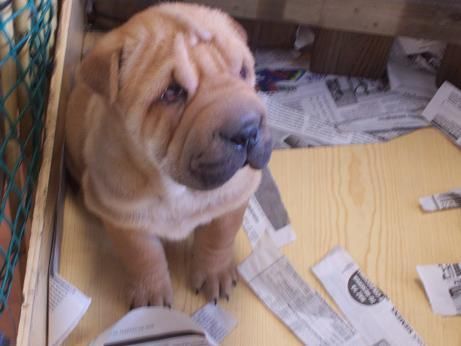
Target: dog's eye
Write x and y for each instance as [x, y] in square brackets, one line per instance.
[244, 72]
[174, 93]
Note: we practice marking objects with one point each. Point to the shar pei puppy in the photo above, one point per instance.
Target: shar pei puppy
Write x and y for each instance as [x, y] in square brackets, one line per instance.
[166, 136]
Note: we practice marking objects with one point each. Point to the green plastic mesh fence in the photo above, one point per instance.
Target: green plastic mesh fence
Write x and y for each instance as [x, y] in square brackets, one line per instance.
[26, 35]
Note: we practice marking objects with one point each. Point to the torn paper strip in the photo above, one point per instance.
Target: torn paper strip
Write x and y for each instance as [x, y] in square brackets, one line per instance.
[442, 283]
[154, 326]
[444, 111]
[216, 322]
[365, 306]
[66, 306]
[440, 201]
[266, 213]
[284, 292]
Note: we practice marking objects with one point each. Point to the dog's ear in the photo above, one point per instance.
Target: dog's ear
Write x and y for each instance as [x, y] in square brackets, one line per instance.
[100, 69]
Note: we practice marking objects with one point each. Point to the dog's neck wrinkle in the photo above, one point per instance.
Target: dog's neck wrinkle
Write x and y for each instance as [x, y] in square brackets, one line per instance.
[114, 166]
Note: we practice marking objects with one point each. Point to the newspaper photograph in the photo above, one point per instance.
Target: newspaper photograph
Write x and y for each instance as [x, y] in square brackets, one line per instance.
[444, 111]
[441, 201]
[365, 306]
[274, 280]
[442, 283]
[266, 213]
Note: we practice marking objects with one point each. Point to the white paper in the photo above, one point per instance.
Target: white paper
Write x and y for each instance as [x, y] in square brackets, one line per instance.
[216, 322]
[441, 201]
[407, 78]
[425, 54]
[366, 307]
[267, 214]
[442, 283]
[444, 111]
[66, 306]
[154, 326]
[283, 291]
[413, 46]
[305, 36]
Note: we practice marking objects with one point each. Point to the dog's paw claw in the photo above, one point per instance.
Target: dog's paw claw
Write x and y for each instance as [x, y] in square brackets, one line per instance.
[214, 284]
[153, 292]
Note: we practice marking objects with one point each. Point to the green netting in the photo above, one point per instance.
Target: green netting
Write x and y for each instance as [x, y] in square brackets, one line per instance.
[26, 29]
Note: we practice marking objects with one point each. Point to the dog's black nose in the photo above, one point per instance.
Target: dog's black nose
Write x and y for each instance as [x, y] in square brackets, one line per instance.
[245, 137]
[244, 133]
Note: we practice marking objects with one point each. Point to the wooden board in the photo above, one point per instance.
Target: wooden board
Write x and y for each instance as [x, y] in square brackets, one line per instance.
[435, 19]
[33, 322]
[350, 54]
[363, 197]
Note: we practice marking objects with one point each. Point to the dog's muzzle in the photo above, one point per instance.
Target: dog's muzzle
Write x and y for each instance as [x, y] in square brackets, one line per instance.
[242, 140]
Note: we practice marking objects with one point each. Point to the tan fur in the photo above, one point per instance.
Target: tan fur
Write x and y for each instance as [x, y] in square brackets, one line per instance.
[129, 152]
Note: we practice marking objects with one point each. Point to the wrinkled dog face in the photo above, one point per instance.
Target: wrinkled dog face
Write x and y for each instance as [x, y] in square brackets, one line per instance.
[182, 82]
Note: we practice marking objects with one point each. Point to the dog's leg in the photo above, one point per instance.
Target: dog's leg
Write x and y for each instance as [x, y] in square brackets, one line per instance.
[144, 258]
[213, 266]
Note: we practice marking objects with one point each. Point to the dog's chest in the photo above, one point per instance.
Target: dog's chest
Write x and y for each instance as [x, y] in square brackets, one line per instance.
[171, 217]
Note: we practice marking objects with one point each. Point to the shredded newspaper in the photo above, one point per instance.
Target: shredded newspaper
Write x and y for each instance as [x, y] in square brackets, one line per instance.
[442, 283]
[366, 307]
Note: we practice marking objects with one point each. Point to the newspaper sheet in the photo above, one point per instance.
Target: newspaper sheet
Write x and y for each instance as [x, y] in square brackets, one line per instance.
[308, 109]
[444, 111]
[440, 201]
[274, 280]
[216, 322]
[266, 213]
[368, 309]
[66, 306]
[154, 326]
[442, 283]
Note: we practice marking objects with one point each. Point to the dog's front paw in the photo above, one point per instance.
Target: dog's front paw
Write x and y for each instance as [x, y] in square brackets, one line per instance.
[151, 290]
[214, 279]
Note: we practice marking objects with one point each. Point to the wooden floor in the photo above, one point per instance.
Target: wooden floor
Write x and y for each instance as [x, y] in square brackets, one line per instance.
[362, 197]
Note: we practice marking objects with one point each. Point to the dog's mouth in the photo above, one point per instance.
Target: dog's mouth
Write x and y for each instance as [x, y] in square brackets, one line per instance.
[210, 175]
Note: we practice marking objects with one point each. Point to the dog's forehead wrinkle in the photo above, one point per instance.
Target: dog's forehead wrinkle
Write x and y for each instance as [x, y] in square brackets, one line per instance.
[184, 72]
[188, 22]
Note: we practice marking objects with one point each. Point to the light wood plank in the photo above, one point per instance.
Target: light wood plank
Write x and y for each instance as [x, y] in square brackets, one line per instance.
[363, 197]
[33, 322]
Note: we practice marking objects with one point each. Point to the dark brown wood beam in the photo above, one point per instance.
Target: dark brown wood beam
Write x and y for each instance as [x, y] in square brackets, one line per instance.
[450, 67]
[350, 54]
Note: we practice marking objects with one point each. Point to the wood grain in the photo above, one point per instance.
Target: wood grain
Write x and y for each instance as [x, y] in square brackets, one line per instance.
[434, 19]
[351, 54]
[33, 322]
[264, 34]
[363, 197]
